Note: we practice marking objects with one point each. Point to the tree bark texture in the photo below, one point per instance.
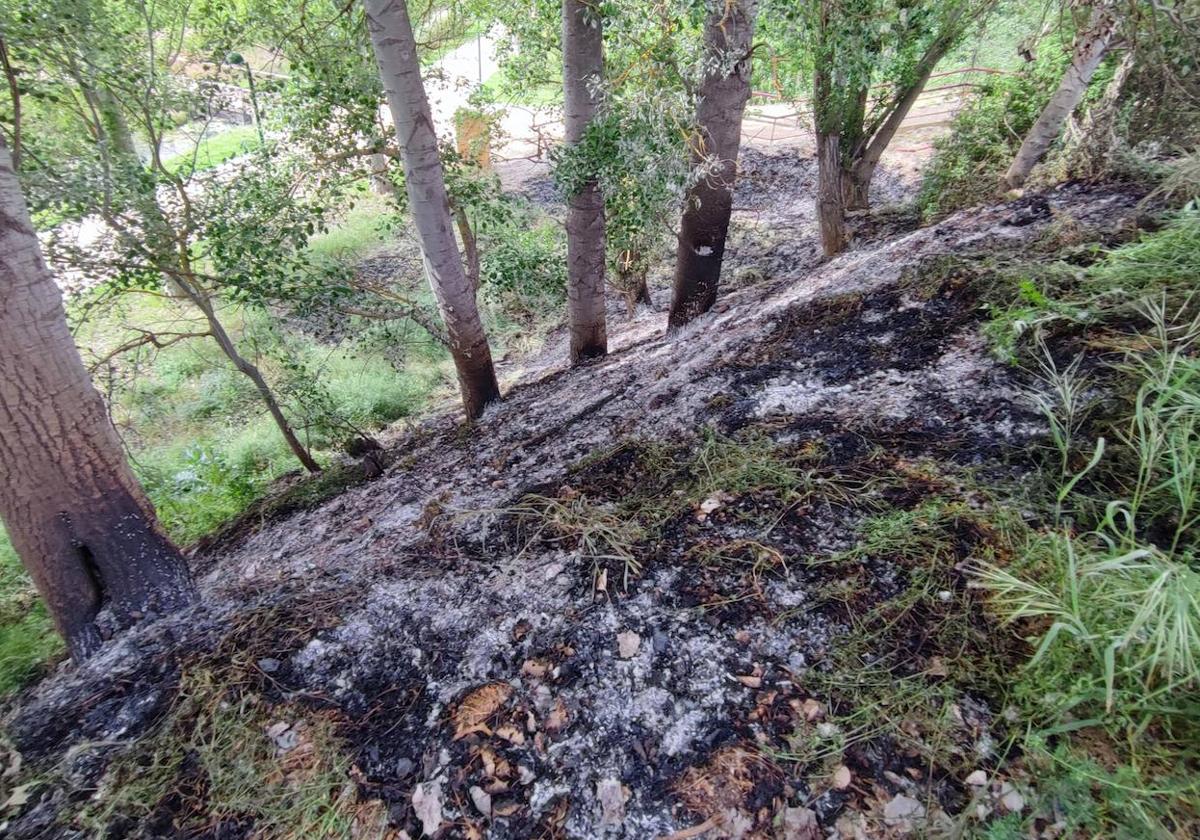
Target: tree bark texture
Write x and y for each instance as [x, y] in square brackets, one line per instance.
[831, 210]
[583, 67]
[828, 122]
[1090, 47]
[396, 53]
[74, 511]
[724, 92]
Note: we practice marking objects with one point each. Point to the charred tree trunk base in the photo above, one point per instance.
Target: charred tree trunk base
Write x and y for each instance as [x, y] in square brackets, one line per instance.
[476, 380]
[104, 566]
[699, 257]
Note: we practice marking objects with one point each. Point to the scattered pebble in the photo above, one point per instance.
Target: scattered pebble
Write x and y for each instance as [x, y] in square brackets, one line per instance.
[628, 644]
[902, 808]
[481, 799]
[612, 796]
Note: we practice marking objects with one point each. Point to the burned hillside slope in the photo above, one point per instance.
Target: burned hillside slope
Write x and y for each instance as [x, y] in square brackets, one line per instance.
[656, 592]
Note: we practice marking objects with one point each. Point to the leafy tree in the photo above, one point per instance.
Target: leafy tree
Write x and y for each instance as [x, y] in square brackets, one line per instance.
[870, 60]
[211, 238]
[1091, 45]
[396, 52]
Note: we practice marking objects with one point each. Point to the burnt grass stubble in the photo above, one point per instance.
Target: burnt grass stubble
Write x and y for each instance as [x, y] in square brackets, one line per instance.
[456, 598]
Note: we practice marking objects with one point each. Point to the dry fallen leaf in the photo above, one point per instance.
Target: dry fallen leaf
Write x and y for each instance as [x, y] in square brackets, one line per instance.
[479, 705]
[506, 809]
[558, 716]
[813, 710]
[535, 668]
[707, 506]
[750, 681]
[495, 766]
[511, 733]
[18, 797]
[628, 644]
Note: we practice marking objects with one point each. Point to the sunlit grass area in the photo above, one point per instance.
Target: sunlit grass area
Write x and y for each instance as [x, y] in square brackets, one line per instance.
[215, 148]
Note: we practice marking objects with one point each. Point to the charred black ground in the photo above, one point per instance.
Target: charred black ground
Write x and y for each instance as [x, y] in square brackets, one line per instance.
[698, 581]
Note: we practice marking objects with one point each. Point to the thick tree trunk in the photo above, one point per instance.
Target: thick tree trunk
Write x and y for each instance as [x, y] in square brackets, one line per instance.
[73, 509]
[831, 212]
[1090, 48]
[724, 92]
[396, 52]
[583, 67]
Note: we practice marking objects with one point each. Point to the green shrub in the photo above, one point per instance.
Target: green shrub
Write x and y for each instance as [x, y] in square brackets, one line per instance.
[522, 264]
[27, 637]
[984, 136]
[1164, 262]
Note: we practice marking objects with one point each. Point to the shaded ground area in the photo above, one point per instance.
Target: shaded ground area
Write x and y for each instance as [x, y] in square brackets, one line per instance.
[667, 590]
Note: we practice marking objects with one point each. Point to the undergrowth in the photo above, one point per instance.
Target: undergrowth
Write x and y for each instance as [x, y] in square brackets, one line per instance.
[1108, 590]
[226, 760]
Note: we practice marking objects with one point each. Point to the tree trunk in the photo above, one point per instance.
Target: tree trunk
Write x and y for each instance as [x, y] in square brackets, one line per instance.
[829, 117]
[1090, 48]
[728, 30]
[831, 212]
[73, 509]
[583, 66]
[396, 53]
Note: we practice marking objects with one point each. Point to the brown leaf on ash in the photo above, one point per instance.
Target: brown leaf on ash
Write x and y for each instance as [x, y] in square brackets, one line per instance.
[535, 668]
[479, 705]
[558, 716]
[511, 734]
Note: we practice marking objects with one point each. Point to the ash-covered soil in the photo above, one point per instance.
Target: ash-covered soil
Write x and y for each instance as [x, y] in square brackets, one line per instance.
[628, 601]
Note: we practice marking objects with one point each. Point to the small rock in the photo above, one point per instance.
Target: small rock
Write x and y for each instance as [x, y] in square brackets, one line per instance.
[902, 808]
[481, 799]
[977, 779]
[427, 805]
[628, 644]
[1010, 799]
[269, 665]
[661, 642]
[813, 710]
[800, 824]
[612, 796]
[842, 777]
[405, 767]
[552, 570]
